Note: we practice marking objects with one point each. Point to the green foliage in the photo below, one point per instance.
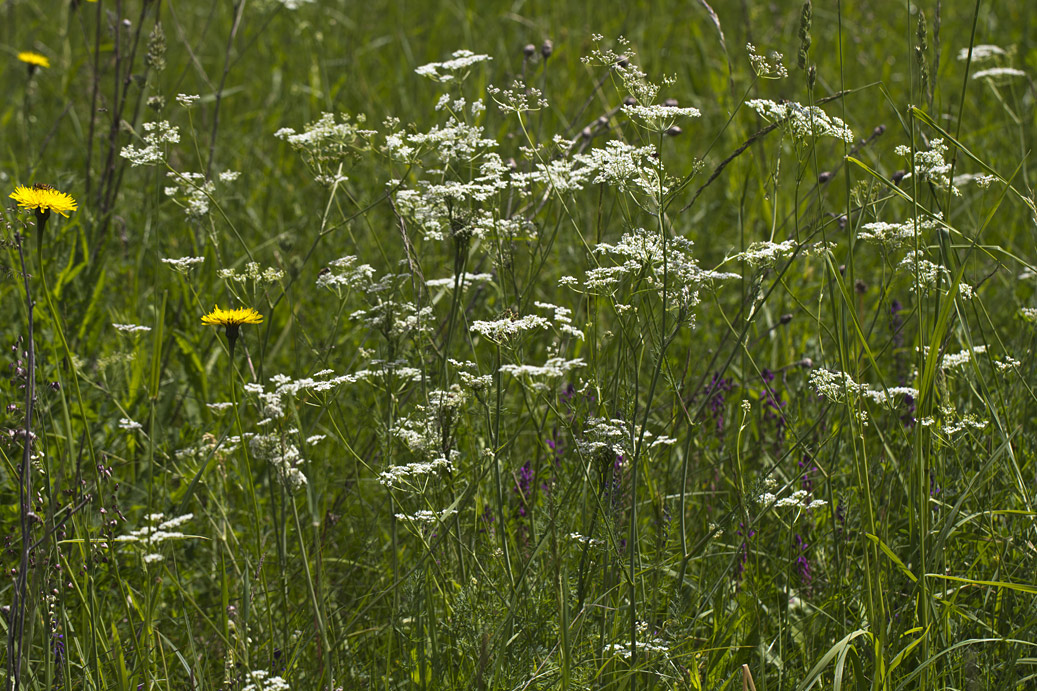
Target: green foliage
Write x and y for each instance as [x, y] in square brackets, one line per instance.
[668, 367]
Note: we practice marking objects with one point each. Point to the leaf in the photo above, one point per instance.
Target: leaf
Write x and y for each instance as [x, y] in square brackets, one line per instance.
[1021, 587]
[893, 557]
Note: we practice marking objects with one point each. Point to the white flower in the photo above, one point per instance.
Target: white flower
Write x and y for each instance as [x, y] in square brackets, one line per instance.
[129, 425]
[552, 369]
[283, 456]
[800, 499]
[252, 272]
[1006, 364]
[626, 167]
[326, 141]
[183, 264]
[957, 360]
[998, 73]
[583, 539]
[802, 122]
[261, 680]
[981, 52]
[893, 235]
[469, 279]
[397, 473]
[187, 100]
[925, 272]
[445, 71]
[764, 68]
[157, 133]
[834, 385]
[520, 98]
[659, 117]
[156, 532]
[882, 397]
[766, 253]
[426, 517]
[931, 165]
[502, 329]
[345, 273]
[132, 328]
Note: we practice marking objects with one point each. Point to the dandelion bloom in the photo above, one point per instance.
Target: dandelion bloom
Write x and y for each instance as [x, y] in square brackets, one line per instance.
[33, 59]
[232, 318]
[44, 199]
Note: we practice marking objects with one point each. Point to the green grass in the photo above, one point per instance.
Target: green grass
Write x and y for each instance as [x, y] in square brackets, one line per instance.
[687, 466]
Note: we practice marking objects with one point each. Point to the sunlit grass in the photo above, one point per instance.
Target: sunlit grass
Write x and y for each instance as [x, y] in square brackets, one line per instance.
[584, 346]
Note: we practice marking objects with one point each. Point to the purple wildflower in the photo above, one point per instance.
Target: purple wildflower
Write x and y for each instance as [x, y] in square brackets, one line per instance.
[716, 394]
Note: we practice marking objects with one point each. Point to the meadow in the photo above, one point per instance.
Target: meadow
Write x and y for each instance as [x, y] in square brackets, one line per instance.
[518, 345]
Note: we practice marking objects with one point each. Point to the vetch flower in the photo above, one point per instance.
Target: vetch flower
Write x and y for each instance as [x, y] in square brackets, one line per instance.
[44, 199]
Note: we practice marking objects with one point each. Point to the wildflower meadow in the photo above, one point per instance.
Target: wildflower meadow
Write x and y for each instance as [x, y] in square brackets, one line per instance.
[518, 345]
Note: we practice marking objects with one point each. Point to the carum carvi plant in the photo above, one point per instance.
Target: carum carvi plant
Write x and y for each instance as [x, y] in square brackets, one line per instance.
[540, 359]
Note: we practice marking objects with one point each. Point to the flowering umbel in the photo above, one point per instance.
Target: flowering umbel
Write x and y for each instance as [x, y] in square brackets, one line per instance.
[232, 320]
[44, 199]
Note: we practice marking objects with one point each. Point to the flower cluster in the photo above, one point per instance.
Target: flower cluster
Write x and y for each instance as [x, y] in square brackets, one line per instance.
[982, 53]
[282, 455]
[646, 645]
[660, 117]
[326, 141]
[931, 165]
[998, 74]
[426, 517]
[455, 68]
[800, 499]
[158, 531]
[182, 264]
[766, 68]
[766, 253]
[131, 328]
[345, 273]
[253, 272]
[834, 386]
[554, 368]
[508, 327]
[802, 122]
[156, 134]
[894, 235]
[261, 680]
[641, 253]
[413, 471]
[191, 191]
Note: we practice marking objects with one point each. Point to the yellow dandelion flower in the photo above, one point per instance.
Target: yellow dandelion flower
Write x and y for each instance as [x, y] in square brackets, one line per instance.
[44, 199]
[33, 59]
[232, 320]
[221, 317]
